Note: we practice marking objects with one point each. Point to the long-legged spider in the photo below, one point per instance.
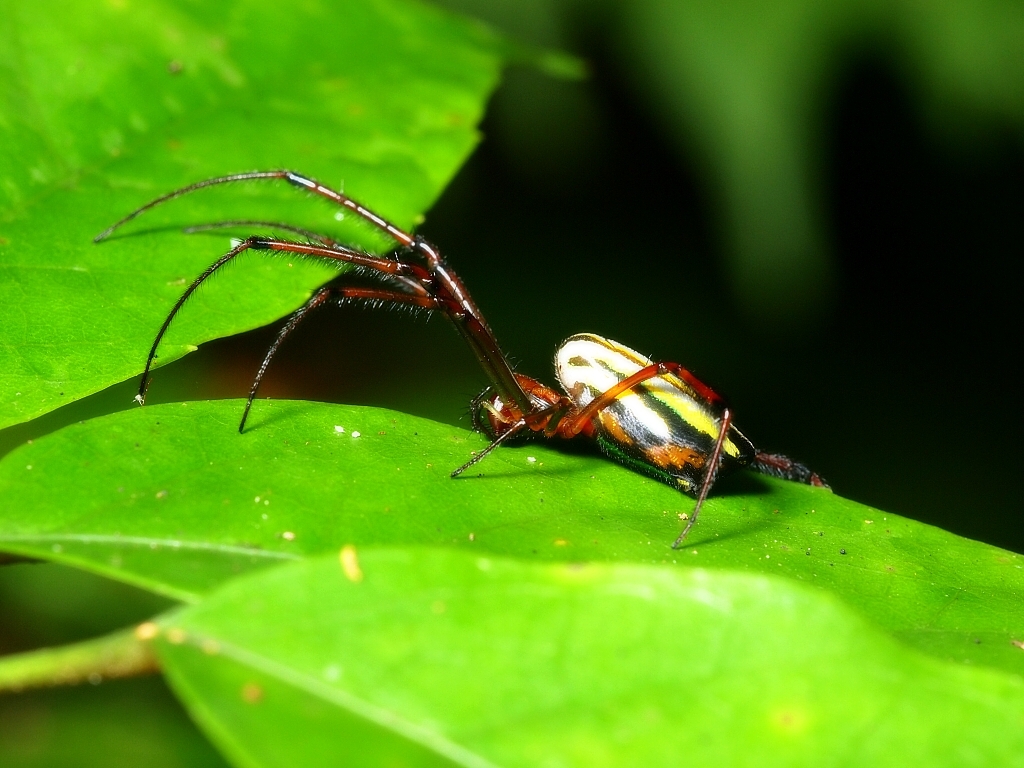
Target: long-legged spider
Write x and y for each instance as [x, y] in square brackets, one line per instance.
[657, 418]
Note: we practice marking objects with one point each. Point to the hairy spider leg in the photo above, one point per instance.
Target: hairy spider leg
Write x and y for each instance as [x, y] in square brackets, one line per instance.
[385, 266]
[318, 299]
[410, 284]
[467, 317]
[418, 245]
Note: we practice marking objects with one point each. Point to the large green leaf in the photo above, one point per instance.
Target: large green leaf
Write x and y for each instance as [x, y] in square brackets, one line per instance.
[173, 499]
[428, 657]
[103, 107]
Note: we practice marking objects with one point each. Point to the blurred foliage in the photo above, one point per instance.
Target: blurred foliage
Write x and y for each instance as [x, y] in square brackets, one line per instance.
[741, 87]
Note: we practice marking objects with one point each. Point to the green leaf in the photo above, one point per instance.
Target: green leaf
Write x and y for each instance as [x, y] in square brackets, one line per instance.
[104, 107]
[450, 658]
[173, 499]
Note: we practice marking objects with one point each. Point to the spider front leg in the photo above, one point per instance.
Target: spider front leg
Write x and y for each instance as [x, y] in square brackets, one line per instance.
[433, 278]
[295, 179]
[340, 294]
[408, 273]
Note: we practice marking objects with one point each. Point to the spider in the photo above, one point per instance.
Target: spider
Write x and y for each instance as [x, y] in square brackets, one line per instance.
[654, 417]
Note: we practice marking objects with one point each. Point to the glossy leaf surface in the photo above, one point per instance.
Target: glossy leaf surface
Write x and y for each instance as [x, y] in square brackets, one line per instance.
[173, 499]
[487, 662]
[104, 107]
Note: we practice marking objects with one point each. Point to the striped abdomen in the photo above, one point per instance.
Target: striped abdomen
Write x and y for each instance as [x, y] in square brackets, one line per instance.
[662, 427]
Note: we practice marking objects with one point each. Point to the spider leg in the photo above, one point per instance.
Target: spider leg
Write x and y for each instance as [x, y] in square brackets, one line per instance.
[513, 430]
[337, 253]
[314, 236]
[296, 179]
[574, 425]
[410, 285]
[443, 282]
[710, 473]
[318, 299]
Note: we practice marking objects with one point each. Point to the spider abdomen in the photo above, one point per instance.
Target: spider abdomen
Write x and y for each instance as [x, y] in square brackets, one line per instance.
[662, 427]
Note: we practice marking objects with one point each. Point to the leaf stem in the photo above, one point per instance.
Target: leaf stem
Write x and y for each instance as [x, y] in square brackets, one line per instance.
[126, 653]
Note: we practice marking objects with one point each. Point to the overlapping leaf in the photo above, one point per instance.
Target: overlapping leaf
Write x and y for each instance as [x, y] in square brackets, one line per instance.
[173, 499]
[442, 658]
